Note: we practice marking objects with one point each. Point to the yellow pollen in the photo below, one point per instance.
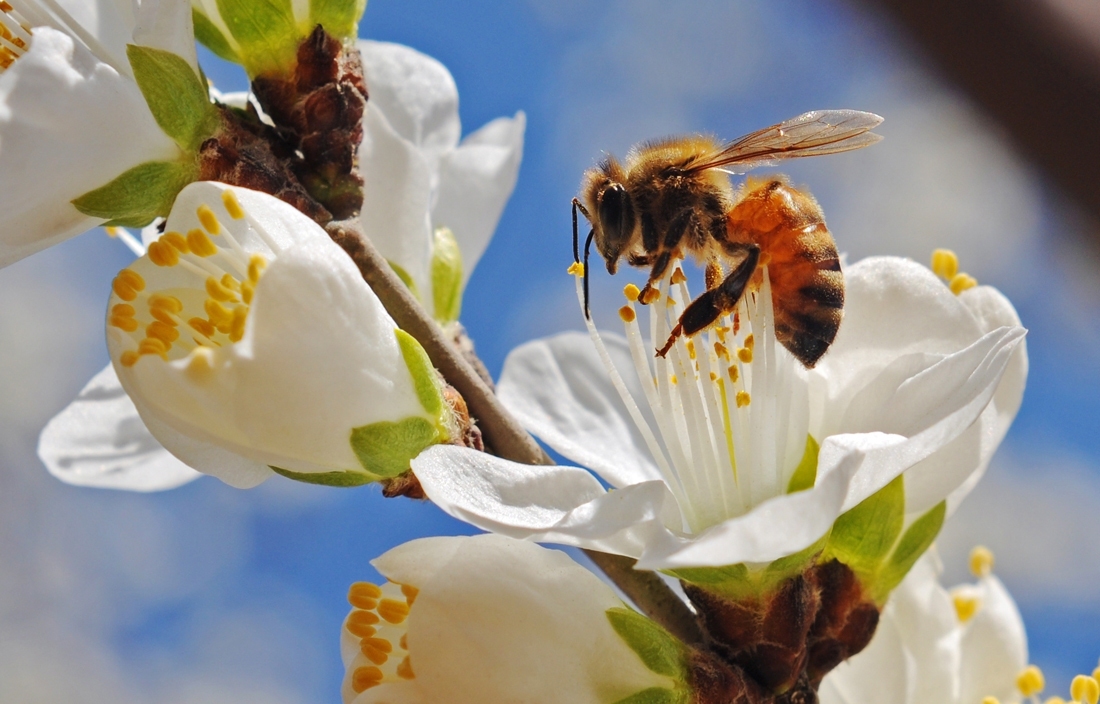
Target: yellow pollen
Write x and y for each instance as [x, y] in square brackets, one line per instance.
[945, 264]
[123, 310]
[377, 650]
[674, 380]
[404, 642]
[1055, 700]
[158, 330]
[743, 399]
[631, 292]
[734, 373]
[256, 266]
[231, 283]
[247, 291]
[627, 314]
[394, 611]
[364, 678]
[404, 670]
[721, 351]
[678, 276]
[123, 322]
[648, 296]
[199, 244]
[713, 376]
[219, 315]
[691, 348]
[981, 561]
[990, 700]
[745, 354]
[200, 364]
[364, 595]
[232, 205]
[127, 284]
[163, 254]
[576, 269]
[410, 593]
[203, 327]
[169, 304]
[361, 623]
[961, 282]
[152, 345]
[236, 328]
[209, 220]
[176, 241]
[1085, 689]
[750, 342]
[670, 302]
[110, 230]
[965, 607]
[216, 290]
[1096, 674]
[129, 358]
[1030, 681]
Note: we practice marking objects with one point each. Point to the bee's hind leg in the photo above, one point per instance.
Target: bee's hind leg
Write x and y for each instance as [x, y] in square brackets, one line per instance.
[716, 302]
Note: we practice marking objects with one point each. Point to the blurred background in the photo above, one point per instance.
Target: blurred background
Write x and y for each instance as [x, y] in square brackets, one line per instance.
[210, 594]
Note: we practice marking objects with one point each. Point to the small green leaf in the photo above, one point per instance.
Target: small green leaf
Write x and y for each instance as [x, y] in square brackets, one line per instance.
[212, 38]
[446, 276]
[139, 195]
[265, 31]
[659, 650]
[425, 379]
[916, 540]
[340, 18]
[862, 537]
[805, 474]
[175, 94]
[405, 279]
[348, 478]
[386, 448]
[657, 695]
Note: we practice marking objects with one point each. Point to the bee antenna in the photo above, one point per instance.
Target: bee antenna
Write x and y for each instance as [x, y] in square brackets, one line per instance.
[576, 252]
[587, 249]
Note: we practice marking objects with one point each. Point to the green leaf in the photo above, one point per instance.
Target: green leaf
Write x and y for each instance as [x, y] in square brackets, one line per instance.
[139, 195]
[862, 537]
[805, 474]
[348, 478]
[659, 650]
[405, 279]
[212, 38]
[916, 540]
[340, 18]
[656, 695]
[386, 448]
[266, 32]
[425, 379]
[175, 94]
[446, 276]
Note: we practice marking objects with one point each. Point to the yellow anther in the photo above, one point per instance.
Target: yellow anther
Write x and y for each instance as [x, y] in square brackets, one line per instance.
[232, 205]
[364, 678]
[745, 355]
[163, 254]
[750, 342]
[945, 264]
[670, 301]
[1085, 689]
[392, 610]
[965, 606]
[152, 345]
[203, 327]
[721, 351]
[377, 650]
[734, 373]
[219, 292]
[123, 323]
[199, 244]
[208, 219]
[1096, 674]
[247, 291]
[163, 301]
[200, 364]
[743, 399]
[404, 669]
[627, 314]
[158, 330]
[111, 230]
[236, 327]
[1030, 681]
[713, 376]
[256, 266]
[648, 296]
[576, 269]
[231, 283]
[410, 593]
[674, 380]
[175, 240]
[990, 700]
[123, 310]
[361, 623]
[981, 561]
[219, 315]
[690, 348]
[127, 284]
[364, 595]
[962, 282]
[1055, 700]
[129, 358]
[678, 276]
[631, 292]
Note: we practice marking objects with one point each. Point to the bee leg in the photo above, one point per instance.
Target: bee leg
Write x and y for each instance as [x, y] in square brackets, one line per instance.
[716, 302]
[587, 250]
[660, 266]
[713, 274]
[577, 205]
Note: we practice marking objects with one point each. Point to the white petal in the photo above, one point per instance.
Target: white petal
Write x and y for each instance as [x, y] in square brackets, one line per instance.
[558, 390]
[882, 673]
[68, 124]
[99, 440]
[994, 645]
[475, 181]
[167, 25]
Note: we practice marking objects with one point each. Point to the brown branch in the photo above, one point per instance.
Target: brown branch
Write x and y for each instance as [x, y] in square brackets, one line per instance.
[503, 436]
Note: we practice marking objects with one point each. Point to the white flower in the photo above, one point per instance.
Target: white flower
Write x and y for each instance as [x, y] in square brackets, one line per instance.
[72, 117]
[933, 646]
[248, 341]
[490, 620]
[712, 454]
[419, 178]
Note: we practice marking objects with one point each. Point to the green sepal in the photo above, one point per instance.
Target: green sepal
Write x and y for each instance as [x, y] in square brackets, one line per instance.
[266, 32]
[916, 540]
[344, 479]
[446, 276]
[405, 279]
[863, 536]
[208, 34]
[177, 97]
[425, 378]
[659, 651]
[657, 695]
[340, 18]
[385, 448]
[139, 195]
[805, 474]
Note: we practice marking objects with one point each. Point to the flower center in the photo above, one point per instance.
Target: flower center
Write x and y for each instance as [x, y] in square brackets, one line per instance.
[729, 405]
[15, 35]
[206, 283]
[378, 622]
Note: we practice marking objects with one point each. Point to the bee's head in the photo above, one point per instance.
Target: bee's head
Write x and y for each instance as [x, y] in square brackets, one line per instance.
[611, 210]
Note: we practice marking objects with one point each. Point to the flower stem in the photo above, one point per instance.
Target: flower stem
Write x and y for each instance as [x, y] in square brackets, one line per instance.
[504, 437]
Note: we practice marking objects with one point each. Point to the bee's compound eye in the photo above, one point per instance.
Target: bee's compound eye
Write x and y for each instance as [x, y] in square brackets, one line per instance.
[616, 213]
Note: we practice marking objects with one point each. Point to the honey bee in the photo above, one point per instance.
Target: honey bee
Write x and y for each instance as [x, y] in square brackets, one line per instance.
[673, 196]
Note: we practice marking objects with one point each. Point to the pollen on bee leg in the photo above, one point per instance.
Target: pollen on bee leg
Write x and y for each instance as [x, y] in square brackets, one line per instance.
[945, 263]
[232, 205]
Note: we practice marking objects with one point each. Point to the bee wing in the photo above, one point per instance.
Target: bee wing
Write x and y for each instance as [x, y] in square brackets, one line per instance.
[810, 134]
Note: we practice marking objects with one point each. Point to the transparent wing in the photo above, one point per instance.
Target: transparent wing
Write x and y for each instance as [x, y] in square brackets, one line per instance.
[810, 134]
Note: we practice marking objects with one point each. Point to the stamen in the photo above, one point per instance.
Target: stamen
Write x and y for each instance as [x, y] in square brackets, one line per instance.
[627, 314]
[208, 219]
[965, 606]
[216, 290]
[1084, 689]
[127, 284]
[981, 561]
[743, 399]
[961, 282]
[364, 595]
[376, 621]
[945, 263]
[392, 610]
[576, 269]
[361, 623]
[377, 650]
[232, 205]
[1030, 681]
[200, 244]
[990, 700]
[631, 292]
[365, 678]
[404, 670]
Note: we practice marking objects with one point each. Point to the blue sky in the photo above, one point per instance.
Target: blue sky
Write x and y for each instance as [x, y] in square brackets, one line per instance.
[209, 594]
